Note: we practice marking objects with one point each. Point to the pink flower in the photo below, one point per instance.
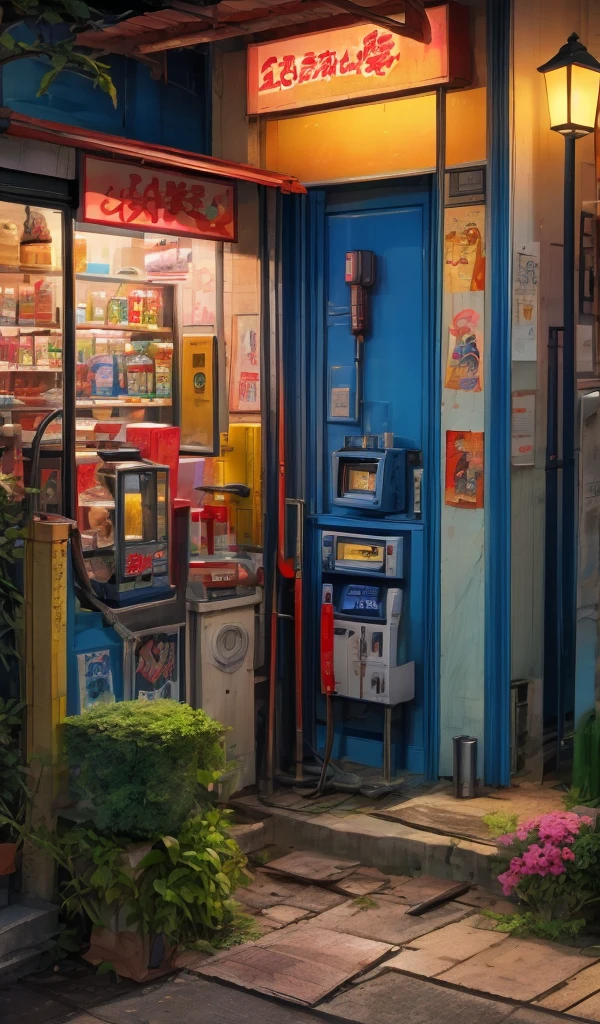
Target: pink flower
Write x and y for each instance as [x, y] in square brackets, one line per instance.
[585, 820]
[567, 854]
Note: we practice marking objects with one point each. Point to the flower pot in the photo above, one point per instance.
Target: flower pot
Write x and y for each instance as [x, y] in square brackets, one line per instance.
[8, 856]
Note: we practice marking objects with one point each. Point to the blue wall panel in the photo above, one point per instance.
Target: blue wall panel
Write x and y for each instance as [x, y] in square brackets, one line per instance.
[173, 114]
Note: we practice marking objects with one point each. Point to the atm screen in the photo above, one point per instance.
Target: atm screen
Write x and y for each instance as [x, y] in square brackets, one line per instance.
[359, 476]
[361, 598]
[360, 550]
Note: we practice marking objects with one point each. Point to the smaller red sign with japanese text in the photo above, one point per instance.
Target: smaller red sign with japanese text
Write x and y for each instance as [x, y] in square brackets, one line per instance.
[162, 201]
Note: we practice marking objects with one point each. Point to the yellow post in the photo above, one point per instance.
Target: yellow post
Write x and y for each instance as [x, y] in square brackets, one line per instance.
[46, 575]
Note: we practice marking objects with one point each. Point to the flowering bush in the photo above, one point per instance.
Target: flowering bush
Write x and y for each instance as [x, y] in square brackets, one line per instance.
[553, 866]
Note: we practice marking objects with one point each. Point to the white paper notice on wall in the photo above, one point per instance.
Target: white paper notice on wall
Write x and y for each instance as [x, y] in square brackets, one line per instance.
[523, 428]
[526, 266]
[584, 335]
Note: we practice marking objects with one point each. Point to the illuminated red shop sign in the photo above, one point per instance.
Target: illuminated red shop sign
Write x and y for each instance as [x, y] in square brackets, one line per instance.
[125, 195]
[358, 61]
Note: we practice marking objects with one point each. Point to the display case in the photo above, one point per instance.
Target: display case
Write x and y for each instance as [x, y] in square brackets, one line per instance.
[123, 519]
[31, 322]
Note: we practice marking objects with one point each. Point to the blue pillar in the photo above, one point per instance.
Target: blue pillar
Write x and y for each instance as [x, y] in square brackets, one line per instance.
[498, 404]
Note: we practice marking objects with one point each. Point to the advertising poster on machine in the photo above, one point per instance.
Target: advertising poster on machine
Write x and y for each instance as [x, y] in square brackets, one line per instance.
[157, 667]
[464, 469]
[95, 679]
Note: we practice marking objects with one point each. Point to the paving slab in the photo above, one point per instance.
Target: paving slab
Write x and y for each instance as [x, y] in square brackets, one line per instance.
[519, 969]
[313, 867]
[438, 951]
[301, 963]
[283, 915]
[589, 1009]
[388, 920]
[576, 989]
[270, 891]
[391, 998]
[483, 899]
[192, 1000]
[18, 1005]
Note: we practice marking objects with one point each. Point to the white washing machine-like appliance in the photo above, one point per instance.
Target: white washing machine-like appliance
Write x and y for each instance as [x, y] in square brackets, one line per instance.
[220, 671]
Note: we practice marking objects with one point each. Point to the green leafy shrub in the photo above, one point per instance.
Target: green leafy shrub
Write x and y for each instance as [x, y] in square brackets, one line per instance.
[13, 775]
[137, 763]
[181, 888]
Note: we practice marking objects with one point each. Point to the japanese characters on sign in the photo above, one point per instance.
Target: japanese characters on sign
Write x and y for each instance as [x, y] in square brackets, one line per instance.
[123, 195]
[356, 61]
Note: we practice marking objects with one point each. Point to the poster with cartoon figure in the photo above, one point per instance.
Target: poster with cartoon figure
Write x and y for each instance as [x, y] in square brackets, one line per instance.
[464, 249]
[464, 469]
[464, 363]
[157, 667]
[244, 380]
[95, 679]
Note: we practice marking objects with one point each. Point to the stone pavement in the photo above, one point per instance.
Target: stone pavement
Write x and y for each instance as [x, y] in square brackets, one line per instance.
[351, 949]
[384, 998]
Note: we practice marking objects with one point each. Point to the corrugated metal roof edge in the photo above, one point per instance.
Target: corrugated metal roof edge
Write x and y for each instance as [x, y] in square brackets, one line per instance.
[25, 127]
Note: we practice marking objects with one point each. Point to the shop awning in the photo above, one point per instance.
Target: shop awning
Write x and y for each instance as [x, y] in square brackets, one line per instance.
[24, 127]
[181, 23]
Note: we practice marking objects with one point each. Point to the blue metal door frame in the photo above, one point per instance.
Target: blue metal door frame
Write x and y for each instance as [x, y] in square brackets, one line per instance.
[304, 232]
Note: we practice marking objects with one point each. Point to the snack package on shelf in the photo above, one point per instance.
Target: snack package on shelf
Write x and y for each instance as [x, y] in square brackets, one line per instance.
[8, 306]
[43, 302]
[26, 304]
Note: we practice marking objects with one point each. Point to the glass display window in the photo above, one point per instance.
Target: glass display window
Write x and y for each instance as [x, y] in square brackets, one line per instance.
[31, 325]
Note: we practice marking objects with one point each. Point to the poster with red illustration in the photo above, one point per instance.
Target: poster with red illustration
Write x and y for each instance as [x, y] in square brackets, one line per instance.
[464, 363]
[464, 468]
[157, 667]
[244, 380]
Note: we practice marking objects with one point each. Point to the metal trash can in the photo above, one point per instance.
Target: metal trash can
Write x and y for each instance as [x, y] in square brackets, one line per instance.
[465, 767]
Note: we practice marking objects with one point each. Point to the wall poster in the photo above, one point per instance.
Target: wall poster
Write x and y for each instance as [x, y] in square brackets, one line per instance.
[244, 380]
[464, 249]
[526, 272]
[464, 469]
[464, 362]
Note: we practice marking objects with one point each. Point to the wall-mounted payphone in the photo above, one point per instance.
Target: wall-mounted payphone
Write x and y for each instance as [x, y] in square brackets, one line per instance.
[367, 614]
[365, 644]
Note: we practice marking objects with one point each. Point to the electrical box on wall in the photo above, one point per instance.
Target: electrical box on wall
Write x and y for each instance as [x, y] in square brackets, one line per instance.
[465, 187]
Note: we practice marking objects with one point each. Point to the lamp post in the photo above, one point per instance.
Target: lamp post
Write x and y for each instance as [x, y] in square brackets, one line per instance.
[572, 84]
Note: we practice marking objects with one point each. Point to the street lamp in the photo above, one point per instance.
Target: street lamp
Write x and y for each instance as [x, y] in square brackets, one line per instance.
[572, 86]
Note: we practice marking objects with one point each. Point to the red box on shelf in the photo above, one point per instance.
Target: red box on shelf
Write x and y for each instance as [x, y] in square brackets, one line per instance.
[158, 443]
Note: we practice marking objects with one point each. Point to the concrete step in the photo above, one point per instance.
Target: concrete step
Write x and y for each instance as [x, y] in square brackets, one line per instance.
[250, 836]
[390, 846]
[19, 965]
[26, 923]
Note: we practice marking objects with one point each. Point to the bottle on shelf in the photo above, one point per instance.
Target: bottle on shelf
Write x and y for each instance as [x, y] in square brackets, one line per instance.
[162, 354]
[140, 373]
[96, 306]
[80, 254]
[118, 309]
[136, 306]
[152, 313]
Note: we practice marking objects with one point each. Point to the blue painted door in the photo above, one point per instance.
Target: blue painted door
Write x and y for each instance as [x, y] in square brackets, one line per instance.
[397, 357]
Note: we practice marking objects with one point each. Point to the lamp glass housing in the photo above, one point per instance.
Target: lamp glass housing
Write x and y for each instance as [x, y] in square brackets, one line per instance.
[572, 93]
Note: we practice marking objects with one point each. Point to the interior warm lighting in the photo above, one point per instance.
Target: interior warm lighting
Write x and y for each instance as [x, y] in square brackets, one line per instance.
[572, 84]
